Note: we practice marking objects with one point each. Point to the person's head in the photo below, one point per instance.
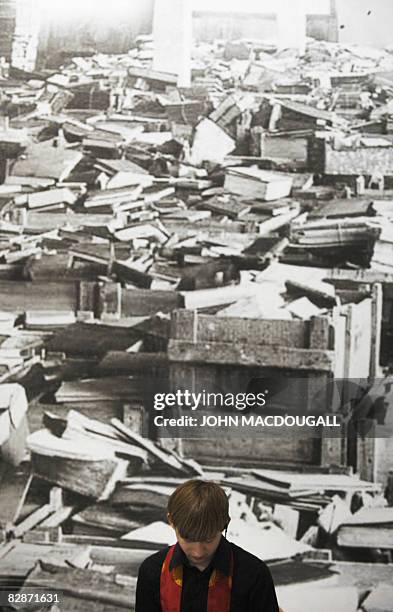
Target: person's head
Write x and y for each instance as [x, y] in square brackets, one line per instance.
[198, 511]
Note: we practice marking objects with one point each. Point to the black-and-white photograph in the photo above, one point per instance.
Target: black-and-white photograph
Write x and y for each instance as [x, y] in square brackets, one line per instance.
[196, 305]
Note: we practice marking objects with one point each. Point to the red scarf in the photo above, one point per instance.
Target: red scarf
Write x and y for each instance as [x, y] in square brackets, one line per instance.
[171, 582]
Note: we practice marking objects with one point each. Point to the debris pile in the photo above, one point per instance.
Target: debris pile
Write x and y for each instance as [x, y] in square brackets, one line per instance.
[151, 235]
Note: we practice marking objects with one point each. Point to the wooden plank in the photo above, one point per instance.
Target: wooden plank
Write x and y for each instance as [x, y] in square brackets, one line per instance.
[109, 303]
[57, 518]
[56, 498]
[127, 272]
[262, 451]
[276, 223]
[103, 544]
[101, 411]
[32, 521]
[371, 516]
[366, 536]
[102, 550]
[376, 330]
[317, 295]
[302, 481]
[339, 322]
[146, 302]
[109, 388]
[43, 516]
[367, 452]
[234, 229]
[320, 333]
[184, 324]
[360, 276]
[134, 417]
[83, 584]
[251, 355]
[358, 340]
[299, 393]
[23, 556]
[331, 449]
[169, 460]
[14, 486]
[105, 518]
[191, 326]
[22, 296]
[217, 296]
[121, 362]
[94, 479]
[90, 340]
[87, 297]
[348, 341]
[23, 498]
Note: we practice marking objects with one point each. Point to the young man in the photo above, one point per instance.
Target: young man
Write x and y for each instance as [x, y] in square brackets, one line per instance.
[203, 572]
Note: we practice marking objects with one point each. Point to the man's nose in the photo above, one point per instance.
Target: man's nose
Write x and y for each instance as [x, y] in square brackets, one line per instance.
[198, 549]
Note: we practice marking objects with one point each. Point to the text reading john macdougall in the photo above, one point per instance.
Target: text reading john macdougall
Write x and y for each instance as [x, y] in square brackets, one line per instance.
[244, 420]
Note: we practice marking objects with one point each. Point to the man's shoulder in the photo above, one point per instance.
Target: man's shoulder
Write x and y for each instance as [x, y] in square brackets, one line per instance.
[245, 558]
[154, 562]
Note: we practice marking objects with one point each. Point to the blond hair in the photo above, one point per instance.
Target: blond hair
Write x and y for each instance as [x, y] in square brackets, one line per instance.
[198, 509]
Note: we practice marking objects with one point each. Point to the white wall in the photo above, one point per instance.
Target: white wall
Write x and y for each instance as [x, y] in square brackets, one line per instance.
[257, 6]
[357, 26]
[172, 34]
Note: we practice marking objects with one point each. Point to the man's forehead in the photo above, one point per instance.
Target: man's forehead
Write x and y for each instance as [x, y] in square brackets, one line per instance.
[206, 540]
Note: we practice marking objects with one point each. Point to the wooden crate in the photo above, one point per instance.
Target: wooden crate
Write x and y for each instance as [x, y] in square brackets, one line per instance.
[296, 345]
[225, 354]
[103, 299]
